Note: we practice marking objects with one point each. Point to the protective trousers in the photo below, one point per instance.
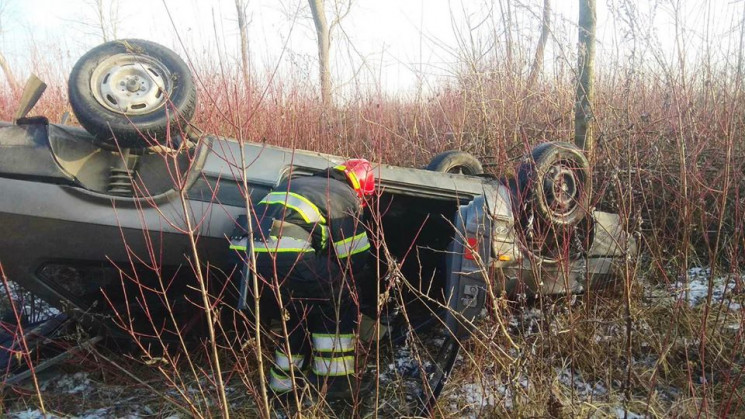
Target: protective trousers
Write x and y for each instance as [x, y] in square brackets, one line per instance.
[320, 331]
[319, 315]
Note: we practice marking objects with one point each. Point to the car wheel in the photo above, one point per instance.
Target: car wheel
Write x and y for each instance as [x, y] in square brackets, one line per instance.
[553, 197]
[555, 184]
[457, 162]
[132, 93]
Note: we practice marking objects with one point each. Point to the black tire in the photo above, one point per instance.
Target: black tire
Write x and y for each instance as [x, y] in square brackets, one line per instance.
[129, 93]
[555, 184]
[457, 162]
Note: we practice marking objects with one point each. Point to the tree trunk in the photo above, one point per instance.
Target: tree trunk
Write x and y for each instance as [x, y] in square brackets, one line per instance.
[742, 45]
[102, 21]
[535, 69]
[106, 18]
[583, 115]
[324, 45]
[506, 12]
[12, 82]
[240, 7]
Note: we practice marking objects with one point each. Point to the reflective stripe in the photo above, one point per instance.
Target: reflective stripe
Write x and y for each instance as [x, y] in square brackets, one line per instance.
[282, 228]
[352, 245]
[280, 383]
[333, 367]
[275, 245]
[286, 228]
[324, 236]
[333, 343]
[283, 362]
[350, 175]
[299, 203]
[239, 244]
[283, 244]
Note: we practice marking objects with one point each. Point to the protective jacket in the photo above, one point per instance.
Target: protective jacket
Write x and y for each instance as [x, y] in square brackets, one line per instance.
[312, 220]
[309, 238]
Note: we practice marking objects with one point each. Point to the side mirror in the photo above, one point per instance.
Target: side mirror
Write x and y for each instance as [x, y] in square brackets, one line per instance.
[31, 94]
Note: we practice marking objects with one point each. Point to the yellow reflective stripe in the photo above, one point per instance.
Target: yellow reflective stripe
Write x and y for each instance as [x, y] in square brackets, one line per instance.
[283, 244]
[283, 250]
[239, 244]
[333, 343]
[275, 245]
[352, 245]
[351, 175]
[308, 210]
[333, 367]
[283, 362]
[324, 236]
[279, 383]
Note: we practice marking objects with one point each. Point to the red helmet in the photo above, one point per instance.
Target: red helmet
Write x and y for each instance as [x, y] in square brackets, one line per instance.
[360, 175]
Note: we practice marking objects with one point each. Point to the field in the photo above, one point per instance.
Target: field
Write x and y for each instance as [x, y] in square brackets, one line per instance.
[670, 159]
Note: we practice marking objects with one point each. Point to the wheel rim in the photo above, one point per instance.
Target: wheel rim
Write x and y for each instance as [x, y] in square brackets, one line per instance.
[561, 186]
[131, 84]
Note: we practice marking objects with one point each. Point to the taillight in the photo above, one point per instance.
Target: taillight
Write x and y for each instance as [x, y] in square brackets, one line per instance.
[472, 246]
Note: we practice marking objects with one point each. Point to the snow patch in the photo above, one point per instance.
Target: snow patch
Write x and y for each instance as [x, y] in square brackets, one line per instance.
[698, 288]
[69, 383]
[582, 387]
[102, 413]
[29, 414]
[621, 413]
[31, 307]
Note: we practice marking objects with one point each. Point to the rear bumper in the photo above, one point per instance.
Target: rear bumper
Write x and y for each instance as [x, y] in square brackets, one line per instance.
[556, 279]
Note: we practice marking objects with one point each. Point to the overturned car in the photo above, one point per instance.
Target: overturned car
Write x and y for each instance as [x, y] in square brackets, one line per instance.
[114, 222]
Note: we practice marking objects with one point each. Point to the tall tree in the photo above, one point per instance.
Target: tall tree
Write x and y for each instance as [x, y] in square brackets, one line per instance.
[506, 12]
[541, 47]
[240, 7]
[583, 115]
[324, 30]
[102, 17]
[324, 46]
[12, 82]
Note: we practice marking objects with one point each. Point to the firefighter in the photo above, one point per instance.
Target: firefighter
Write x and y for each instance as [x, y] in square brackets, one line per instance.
[309, 241]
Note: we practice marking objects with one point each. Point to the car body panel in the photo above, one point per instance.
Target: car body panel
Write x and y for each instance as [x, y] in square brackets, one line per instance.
[67, 238]
[55, 206]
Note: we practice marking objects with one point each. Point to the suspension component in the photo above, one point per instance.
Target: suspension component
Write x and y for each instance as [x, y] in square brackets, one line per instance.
[121, 177]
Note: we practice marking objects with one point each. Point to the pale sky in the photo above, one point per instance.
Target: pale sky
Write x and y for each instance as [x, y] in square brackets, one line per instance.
[393, 37]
